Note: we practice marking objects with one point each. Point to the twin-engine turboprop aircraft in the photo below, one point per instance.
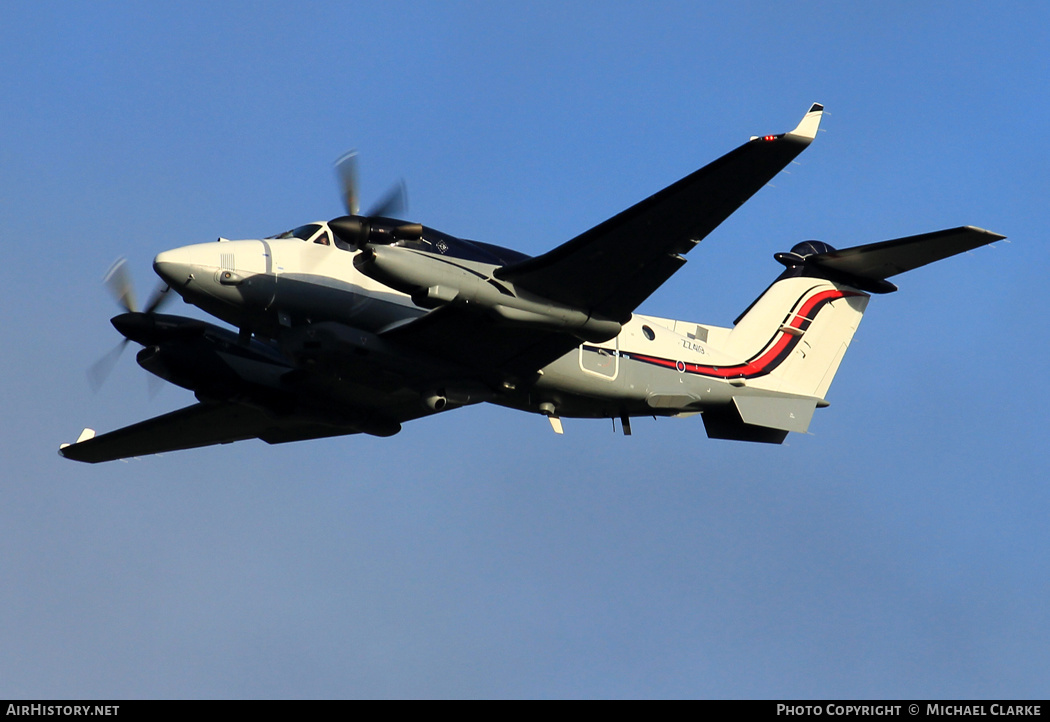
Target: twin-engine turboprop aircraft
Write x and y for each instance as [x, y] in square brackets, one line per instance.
[364, 322]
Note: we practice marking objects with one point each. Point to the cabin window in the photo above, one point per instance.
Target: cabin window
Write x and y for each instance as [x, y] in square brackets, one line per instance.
[648, 333]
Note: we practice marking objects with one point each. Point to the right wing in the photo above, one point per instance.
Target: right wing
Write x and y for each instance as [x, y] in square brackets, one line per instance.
[192, 427]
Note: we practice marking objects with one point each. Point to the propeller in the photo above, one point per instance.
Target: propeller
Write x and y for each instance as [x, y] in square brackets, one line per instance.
[358, 230]
[118, 281]
[394, 203]
[346, 169]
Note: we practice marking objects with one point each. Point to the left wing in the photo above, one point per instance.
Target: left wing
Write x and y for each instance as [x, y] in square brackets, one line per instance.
[192, 427]
[610, 269]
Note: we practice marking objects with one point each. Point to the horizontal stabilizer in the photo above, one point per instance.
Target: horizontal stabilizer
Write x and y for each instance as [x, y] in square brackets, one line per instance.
[724, 423]
[788, 413]
[878, 261]
[765, 419]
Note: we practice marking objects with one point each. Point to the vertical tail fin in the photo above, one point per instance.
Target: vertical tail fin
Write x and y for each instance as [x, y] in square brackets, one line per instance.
[794, 335]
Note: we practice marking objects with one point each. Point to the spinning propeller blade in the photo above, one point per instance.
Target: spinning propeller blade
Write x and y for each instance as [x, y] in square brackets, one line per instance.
[118, 281]
[346, 169]
[101, 369]
[158, 298]
[394, 203]
[119, 284]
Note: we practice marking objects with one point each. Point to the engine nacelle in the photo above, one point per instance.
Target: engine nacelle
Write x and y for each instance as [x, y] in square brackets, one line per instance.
[435, 401]
[198, 365]
[357, 231]
[433, 282]
[441, 399]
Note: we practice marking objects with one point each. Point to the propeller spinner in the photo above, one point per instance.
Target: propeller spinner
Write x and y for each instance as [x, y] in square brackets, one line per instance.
[357, 229]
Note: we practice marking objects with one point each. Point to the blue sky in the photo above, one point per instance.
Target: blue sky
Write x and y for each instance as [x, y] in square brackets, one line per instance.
[899, 550]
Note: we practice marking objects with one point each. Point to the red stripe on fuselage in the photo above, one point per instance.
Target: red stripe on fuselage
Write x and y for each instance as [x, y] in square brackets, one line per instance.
[765, 362]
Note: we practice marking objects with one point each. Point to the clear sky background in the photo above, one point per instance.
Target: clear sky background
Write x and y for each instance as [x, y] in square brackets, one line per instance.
[899, 550]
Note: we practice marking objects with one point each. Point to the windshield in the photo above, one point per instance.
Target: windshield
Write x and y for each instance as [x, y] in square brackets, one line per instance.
[302, 232]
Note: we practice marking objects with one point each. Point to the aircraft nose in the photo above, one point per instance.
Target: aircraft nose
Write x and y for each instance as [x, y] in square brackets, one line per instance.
[179, 265]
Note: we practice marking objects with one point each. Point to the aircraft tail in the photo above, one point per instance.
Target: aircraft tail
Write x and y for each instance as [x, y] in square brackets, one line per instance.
[794, 335]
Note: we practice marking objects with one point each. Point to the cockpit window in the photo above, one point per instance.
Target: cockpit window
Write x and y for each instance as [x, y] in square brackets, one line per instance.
[386, 231]
[303, 232]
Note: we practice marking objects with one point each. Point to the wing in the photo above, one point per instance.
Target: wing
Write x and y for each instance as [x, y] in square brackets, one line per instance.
[610, 269]
[485, 348]
[192, 427]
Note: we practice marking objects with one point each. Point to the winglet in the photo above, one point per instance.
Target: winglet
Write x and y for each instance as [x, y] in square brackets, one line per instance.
[805, 131]
[807, 128]
[85, 435]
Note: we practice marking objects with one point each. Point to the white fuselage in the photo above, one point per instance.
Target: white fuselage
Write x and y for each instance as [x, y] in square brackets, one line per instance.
[654, 366]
